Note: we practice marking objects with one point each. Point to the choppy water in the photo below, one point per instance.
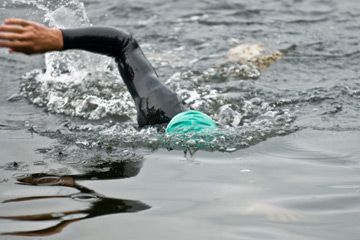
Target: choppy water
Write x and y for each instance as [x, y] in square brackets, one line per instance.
[67, 124]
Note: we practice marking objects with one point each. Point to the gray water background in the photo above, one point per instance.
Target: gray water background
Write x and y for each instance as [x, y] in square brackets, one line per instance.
[297, 177]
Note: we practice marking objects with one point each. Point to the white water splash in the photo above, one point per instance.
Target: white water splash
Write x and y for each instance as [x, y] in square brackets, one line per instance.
[81, 84]
[76, 83]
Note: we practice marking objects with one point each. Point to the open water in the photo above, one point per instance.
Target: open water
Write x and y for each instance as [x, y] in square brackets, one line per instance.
[284, 165]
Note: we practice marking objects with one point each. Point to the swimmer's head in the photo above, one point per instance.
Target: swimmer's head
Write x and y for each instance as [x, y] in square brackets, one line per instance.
[190, 122]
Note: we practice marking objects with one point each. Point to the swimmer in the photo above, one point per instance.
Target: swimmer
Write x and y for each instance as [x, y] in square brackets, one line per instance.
[155, 103]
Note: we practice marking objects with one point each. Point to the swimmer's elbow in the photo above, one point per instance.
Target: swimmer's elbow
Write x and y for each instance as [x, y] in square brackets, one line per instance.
[127, 42]
[124, 40]
[118, 41]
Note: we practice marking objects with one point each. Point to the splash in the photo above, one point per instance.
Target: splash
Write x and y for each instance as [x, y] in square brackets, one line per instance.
[86, 85]
[76, 83]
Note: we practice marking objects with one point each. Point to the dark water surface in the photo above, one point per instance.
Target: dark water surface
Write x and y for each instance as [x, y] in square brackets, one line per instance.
[285, 164]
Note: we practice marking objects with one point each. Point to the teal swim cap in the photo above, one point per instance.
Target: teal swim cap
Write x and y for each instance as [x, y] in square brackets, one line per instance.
[190, 121]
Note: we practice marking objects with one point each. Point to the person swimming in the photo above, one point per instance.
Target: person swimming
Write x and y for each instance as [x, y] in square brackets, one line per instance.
[155, 103]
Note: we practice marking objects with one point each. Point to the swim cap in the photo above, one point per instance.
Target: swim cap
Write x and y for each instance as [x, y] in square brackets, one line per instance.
[190, 121]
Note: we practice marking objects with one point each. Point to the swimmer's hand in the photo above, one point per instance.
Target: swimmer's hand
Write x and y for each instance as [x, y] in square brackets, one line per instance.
[28, 37]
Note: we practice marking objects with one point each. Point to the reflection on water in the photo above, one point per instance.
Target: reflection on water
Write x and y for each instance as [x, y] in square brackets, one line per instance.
[97, 204]
[301, 186]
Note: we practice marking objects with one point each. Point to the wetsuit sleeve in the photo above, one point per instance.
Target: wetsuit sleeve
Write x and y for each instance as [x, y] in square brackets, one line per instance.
[155, 102]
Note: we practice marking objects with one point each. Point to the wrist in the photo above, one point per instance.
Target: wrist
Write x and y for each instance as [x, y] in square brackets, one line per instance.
[58, 43]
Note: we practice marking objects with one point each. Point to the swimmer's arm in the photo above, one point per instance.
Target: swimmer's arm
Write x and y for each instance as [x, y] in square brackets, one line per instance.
[29, 37]
[22, 36]
[154, 101]
[103, 40]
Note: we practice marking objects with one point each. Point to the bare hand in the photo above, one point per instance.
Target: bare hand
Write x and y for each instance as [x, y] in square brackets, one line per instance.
[29, 37]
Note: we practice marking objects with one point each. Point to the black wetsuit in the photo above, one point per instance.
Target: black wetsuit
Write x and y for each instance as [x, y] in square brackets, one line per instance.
[155, 103]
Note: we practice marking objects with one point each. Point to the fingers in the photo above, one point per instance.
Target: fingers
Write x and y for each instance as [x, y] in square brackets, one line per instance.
[14, 45]
[12, 32]
[7, 44]
[15, 42]
[18, 21]
[28, 37]
[12, 28]
[12, 36]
